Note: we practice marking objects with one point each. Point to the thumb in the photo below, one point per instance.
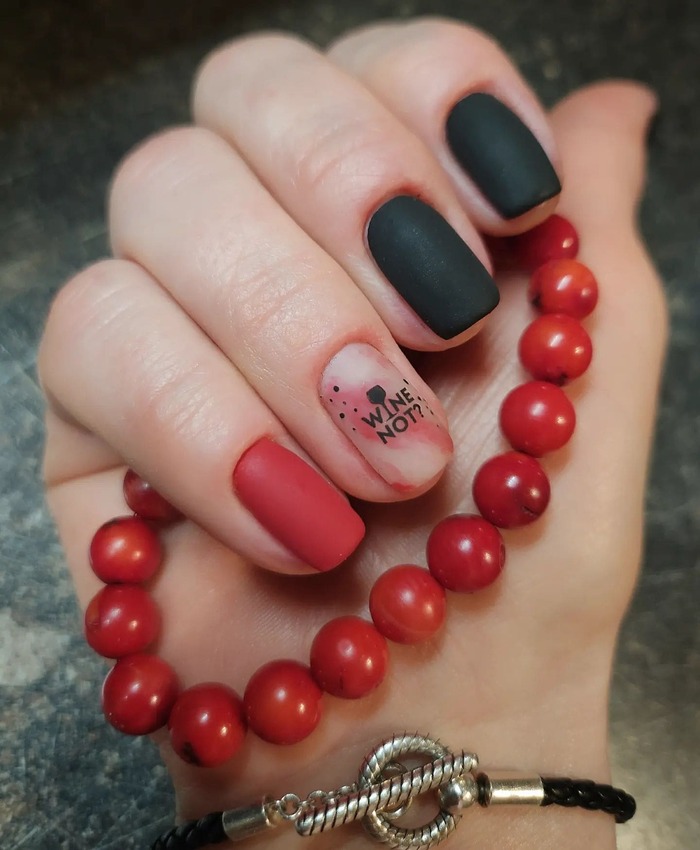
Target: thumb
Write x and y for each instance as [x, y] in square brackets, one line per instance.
[602, 131]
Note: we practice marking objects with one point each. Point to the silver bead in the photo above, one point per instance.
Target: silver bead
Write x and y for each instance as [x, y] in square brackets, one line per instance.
[458, 794]
[247, 821]
[525, 791]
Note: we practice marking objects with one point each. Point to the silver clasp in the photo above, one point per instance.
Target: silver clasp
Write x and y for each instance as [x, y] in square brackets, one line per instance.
[383, 792]
[247, 821]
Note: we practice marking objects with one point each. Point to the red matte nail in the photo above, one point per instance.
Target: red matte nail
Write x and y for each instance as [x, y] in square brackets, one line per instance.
[297, 505]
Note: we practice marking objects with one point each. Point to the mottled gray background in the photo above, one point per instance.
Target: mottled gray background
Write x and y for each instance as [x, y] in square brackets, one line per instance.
[80, 82]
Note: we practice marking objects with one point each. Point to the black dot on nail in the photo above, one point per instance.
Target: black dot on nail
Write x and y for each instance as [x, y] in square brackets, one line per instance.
[355, 409]
[405, 381]
[331, 400]
[354, 429]
[345, 402]
[336, 389]
[342, 416]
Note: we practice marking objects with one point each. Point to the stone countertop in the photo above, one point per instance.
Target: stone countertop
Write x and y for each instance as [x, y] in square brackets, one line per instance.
[80, 83]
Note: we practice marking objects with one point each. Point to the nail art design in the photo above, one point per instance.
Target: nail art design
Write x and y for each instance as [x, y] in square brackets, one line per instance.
[501, 155]
[384, 415]
[430, 266]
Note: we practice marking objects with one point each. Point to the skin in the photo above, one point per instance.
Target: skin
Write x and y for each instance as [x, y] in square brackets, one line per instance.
[521, 671]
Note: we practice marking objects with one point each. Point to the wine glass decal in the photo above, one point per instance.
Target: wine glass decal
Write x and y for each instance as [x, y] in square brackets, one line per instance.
[377, 395]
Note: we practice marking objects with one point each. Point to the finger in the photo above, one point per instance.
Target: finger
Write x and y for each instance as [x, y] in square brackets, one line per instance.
[125, 365]
[577, 565]
[602, 129]
[361, 184]
[601, 132]
[187, 208]
[455, 88]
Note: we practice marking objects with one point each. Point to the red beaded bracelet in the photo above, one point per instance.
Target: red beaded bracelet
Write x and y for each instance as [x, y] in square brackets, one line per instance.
[349, 655]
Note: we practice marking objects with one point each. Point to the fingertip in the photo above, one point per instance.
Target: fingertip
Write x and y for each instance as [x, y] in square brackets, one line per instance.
[530, 219]
[621, 104]
[602, 130]
[460, 339]
[297, 505]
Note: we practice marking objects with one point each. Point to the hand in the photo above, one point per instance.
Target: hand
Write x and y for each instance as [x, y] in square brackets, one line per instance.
[241, 272]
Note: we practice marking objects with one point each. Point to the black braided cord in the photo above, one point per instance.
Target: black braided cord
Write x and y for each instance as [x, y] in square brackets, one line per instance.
[582, 793]
[193, 835]
[589, 795]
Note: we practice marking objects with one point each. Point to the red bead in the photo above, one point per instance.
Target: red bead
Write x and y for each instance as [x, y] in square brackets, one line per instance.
[537, 418]
[407, 604]
[206, 724]
[564, 286]
[511, 490]
[138, 694]
[465, 553]
[121, 619]
[125, 549]
[349, 657]
[283, 702]
[147, 502]
[555, 348]
[554, 239]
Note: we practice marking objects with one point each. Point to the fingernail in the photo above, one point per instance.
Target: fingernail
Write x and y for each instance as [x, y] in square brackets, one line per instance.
[430, 266]
[297, 505]
[501, 155]
[385, 416]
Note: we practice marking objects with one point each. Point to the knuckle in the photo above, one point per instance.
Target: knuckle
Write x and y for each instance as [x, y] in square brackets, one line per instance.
[81, 313]
[68, 312]
[168, 396]
[364, 37]
[259, 50]
[164, 152]
[425, 45]
[272, 288]
[95, 321]
[444, 33]
[359, 155]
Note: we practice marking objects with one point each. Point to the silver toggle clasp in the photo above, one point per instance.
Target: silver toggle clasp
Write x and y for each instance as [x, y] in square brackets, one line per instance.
[443, 768]
[383, 792]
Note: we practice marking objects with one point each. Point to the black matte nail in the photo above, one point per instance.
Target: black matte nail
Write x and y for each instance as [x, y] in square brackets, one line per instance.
[501, 155]
[430, 266]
